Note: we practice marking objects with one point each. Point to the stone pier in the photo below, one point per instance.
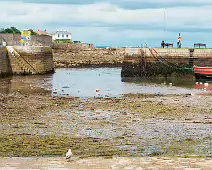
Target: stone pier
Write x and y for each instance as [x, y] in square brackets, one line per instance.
[26, 60]
[139, 62]
[5, 66]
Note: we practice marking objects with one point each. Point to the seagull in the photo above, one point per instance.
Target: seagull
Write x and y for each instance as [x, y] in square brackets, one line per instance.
[68, 155]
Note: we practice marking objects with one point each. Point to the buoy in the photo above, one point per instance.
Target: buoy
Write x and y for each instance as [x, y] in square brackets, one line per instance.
[200, 83]
[197, 83]
[170, 84]
[206, 84]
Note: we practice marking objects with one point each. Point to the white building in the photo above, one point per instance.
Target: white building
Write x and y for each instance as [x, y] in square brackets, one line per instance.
[62, 35]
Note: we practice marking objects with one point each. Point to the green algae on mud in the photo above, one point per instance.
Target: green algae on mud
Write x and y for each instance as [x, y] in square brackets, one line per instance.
[188, 148]
[27, 117]
[29, 145]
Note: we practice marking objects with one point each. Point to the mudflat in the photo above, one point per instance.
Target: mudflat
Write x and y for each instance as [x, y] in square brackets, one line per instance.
[136, 127]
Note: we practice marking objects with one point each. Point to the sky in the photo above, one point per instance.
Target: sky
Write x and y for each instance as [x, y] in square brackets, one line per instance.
[115, 22]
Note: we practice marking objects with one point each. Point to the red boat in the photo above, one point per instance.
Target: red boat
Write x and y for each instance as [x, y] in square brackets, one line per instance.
[203, 86]
[202, 71]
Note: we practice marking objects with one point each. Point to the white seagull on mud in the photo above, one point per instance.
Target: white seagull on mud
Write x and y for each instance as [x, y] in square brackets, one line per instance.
[68, 155]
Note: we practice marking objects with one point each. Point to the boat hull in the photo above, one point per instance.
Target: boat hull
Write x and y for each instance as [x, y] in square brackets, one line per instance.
[203, 71]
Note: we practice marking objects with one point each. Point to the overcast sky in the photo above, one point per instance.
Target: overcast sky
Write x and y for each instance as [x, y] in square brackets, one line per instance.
[115, 22]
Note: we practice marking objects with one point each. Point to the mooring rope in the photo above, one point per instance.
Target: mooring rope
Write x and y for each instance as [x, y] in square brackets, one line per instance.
[174, 66]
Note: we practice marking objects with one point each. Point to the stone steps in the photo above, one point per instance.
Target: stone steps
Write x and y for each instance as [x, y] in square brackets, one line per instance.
[21, 61]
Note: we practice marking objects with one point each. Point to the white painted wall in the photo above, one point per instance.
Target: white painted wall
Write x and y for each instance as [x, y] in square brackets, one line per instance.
[60, 36]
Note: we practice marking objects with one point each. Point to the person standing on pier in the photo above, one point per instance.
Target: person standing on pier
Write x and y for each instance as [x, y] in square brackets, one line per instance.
[179, 41]
[163, 44]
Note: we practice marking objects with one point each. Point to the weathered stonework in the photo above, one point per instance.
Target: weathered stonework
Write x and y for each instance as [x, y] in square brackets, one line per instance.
[5, 67]
[36, 40]
[89, 58]
[164, 62]
[75, 46]
[40, 58]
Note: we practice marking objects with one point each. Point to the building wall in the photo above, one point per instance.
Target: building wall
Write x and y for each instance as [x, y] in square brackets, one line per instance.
[37, 40]
[11, 39]
[40, 40]
[55, 37]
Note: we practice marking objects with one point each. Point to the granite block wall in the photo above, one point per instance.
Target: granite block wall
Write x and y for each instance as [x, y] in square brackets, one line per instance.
[5, 67]
[40, 58]
[165, 62]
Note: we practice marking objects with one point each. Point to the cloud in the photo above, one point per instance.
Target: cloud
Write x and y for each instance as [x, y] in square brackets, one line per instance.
[128, 4]
[114, 22]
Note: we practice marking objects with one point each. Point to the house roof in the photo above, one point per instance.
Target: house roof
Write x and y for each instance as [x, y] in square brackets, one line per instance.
[42, 32]
[62, 32]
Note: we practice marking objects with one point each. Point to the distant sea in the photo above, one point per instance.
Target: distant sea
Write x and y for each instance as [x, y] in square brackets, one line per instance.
[102, 46]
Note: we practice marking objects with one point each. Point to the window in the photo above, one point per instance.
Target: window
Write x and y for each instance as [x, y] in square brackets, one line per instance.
[58, 35]
[67, 36]
[63, 35]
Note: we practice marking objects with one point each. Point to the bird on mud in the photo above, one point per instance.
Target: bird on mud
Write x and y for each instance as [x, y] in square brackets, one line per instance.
[68, 155]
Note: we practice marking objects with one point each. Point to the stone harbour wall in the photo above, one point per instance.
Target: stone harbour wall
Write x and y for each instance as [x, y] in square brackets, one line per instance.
[5, 67]
[164, 62]
[73, 46]
[89, 58]
[40, 58]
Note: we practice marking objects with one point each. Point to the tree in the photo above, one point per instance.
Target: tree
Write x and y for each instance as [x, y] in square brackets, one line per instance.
[11, 30]
[15, 30]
